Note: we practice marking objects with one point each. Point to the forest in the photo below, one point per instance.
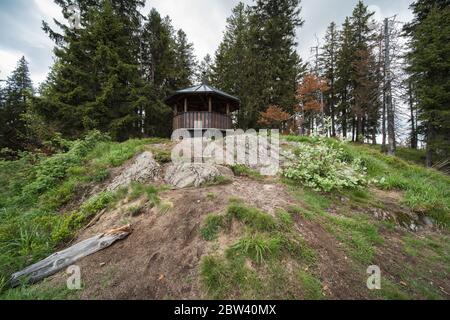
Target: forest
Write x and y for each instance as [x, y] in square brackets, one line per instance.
[378, 82]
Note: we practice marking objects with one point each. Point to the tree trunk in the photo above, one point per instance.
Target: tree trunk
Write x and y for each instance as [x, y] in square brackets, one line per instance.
[429, 153]
[353, 129]
[413, 124]
[344, 118]
[389, 106]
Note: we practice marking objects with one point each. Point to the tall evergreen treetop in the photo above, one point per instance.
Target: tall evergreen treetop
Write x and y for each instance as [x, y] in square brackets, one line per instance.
[16, 93]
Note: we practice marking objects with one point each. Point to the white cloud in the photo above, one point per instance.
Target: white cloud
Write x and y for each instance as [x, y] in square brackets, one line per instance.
[203, 21]
[378, 16]
[49, 9]
[8, 62]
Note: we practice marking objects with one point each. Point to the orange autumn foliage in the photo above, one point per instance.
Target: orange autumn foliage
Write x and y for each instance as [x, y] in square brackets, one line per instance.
[273, 116]
[307, 92]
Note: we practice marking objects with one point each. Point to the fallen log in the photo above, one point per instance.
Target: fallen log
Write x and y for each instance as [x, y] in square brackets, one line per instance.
[67, 257]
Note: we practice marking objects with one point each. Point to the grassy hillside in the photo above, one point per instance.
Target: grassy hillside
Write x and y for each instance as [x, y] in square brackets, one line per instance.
[253, 253]
[35, 192]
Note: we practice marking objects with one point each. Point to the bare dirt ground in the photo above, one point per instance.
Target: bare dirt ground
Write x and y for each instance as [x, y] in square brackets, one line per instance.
[160, 258]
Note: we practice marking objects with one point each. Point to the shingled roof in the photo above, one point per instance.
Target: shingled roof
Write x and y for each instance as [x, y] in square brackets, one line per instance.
[202, 89]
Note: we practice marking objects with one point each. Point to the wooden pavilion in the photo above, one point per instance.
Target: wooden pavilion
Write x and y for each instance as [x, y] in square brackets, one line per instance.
[203, 103]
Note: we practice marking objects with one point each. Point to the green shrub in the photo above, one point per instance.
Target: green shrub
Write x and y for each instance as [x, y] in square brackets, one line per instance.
[324, 168]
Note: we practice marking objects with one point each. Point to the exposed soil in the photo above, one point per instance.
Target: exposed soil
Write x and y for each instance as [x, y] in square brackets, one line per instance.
[160, 259]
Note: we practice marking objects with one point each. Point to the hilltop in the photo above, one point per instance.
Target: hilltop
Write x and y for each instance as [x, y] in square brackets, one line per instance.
[308, 233]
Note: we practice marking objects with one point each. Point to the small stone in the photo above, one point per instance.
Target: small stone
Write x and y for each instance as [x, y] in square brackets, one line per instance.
[102, 264]
[428, 221]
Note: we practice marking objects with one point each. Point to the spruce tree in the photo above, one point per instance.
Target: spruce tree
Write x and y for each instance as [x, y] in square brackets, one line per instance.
[328, 61]
[184, 61]
[204, 72]
[97, 84]
[232, 67]
[257, 59]
[344, 86]
[430, 69]
[273, 26]
[158, 59]
[362, 43]
[16, 95]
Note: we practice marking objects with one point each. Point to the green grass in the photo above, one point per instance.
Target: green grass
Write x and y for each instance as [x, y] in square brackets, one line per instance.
[218, 180]
[251, 216]
[431, 196]
[311, 285]
[432, 248]
[391, 291]
[253, 267]
[229, 278]
[211, 227]
[35, 189]
[211, 196]
[162, 156]
[257, 247]
[43, 291]
[359, 235]
[134, 211]
[244, 171]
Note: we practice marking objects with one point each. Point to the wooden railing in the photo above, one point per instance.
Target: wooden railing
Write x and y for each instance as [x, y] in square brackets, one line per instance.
[209, 120]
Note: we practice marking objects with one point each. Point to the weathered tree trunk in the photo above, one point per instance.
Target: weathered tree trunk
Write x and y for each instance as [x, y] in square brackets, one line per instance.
[413, 121]
[359, 129]
[389, 106]
[344, 118]
[67, 257]
[353, 129]
[429, 152]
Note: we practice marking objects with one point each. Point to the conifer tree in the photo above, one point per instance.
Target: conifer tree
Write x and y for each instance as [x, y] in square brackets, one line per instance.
[344, 86]
[205, 70]
[362, 42]
[98, 80]
[184, 61]
[430, 68]
[158, 59]
[259, 58]
[14, 100]
[328, 61]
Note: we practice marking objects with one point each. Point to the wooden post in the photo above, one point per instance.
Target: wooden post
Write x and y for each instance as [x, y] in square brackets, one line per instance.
[185, 105]
[209, 105]
[175, 107]
[228, 108]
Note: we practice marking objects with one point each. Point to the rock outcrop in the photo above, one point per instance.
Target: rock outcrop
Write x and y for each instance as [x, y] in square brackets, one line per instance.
[182, 175]
[143, 169]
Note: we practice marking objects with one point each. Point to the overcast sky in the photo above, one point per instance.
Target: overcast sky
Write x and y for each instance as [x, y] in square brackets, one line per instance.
[203, 21]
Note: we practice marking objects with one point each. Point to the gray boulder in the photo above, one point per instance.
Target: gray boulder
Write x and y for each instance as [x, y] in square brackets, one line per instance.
[182, 175]
[143, 169]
